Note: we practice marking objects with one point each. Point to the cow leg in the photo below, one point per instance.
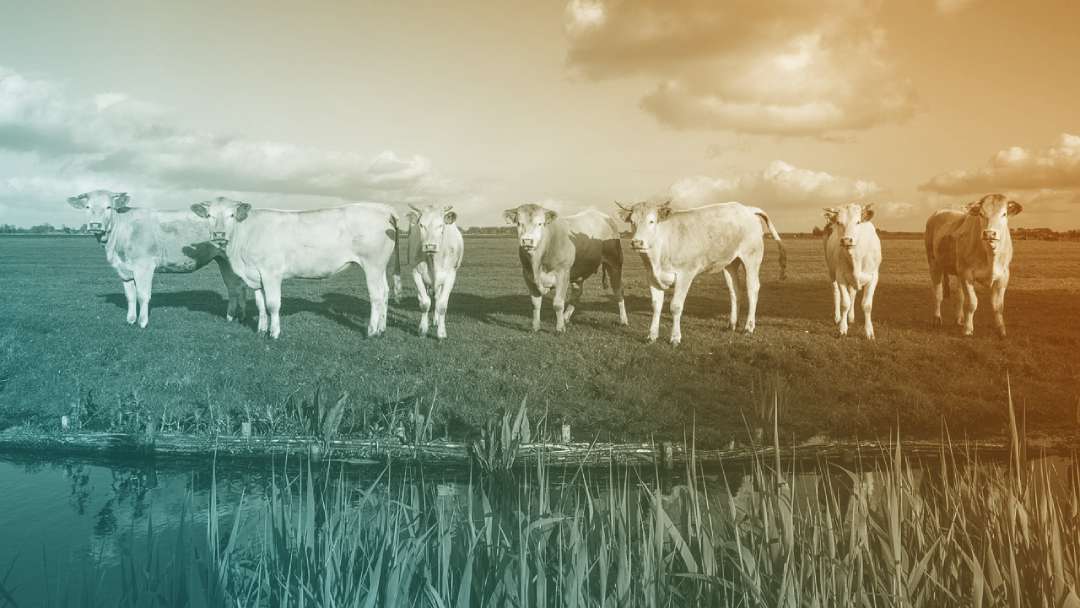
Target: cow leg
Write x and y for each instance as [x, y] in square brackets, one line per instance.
[846, 303]
[144, 279]
[958, 295]
[836, 302]
[129, 294]
[851, 311]
[657, 307]
[260, 303]
[868, 306]
[678, 298]
[378, 293]
[423, 298]
[971, 302]
[575, 295]
[937, 288]
[559, 301]
[537, 299]
[615, 275]
[753, 286]
[997, 295]
[733, 298]
[237, 291]
[272, 294]
[441, 302]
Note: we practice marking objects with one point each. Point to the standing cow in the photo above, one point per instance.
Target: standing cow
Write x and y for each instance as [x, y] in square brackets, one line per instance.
[562, 252]
[436, 245]
[267, 246]
[973, 245]
[853, 254]
[676, 246]
[139, 242]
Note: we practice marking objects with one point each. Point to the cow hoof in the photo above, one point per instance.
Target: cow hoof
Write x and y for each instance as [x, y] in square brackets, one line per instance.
[131, 320]
[650, 339]
[441, 336]
[675, 341]
[936, 322]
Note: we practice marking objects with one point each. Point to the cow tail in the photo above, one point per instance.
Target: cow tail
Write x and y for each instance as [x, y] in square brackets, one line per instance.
[603, 276]
[776, 237]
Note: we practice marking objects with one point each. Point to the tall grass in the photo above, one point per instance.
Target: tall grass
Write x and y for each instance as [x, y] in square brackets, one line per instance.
[951, 533]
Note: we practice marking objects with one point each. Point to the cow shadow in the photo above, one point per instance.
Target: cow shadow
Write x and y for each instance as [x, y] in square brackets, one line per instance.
[200, 300]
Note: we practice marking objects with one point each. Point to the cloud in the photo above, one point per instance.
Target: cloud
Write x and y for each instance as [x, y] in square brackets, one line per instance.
[130, 141]
[949, 7]
[787, 68]
[1016, 168]
[778, 185]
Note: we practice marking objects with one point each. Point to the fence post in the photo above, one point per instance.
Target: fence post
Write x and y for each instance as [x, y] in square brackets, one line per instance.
[245, 429]
[65, 423]
[565, 433]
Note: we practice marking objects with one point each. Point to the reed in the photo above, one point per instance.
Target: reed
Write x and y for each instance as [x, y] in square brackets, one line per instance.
[890, 533]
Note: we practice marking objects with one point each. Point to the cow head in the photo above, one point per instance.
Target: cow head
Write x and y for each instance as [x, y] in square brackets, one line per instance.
[530, 220]
[993, 211]
[431, 222]
[845, 220]
[644, 218]
[221, 214]
[100, 207]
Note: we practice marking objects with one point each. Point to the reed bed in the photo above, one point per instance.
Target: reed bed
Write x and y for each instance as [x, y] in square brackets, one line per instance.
[954, 532]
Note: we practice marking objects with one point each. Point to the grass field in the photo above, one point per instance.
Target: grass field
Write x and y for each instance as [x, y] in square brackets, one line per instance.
[64, 344]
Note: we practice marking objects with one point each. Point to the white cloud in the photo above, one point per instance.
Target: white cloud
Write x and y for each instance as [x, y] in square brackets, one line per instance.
[115, 139]
[787, 68]
[778, 185]
[1055, 167]
[949, 7]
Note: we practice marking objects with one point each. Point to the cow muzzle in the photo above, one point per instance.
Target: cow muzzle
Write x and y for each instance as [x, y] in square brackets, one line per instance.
[528, 244]
[991, 238]
[431, 248]
[847, 242]
[218, 238]
[95, 227]
[638, 245]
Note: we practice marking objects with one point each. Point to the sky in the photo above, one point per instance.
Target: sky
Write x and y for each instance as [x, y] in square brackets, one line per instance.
[789, 105]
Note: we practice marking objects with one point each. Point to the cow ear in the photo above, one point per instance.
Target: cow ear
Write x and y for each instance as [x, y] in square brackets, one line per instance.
[78, 202]
[450, 217]
[974, 208]
[510, 215]
[201, 209]
[550, 216]
[120, 201]
[411, 217]
[625, 215]
[1014, 208]
[831, 214]
[868, 213]
[663, 211]
[242, 211]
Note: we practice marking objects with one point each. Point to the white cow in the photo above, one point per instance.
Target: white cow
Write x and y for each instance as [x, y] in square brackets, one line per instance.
[975, 246]
[139, 242]
[853, 254]
[267, 246]
[676, 246]
[436, 245]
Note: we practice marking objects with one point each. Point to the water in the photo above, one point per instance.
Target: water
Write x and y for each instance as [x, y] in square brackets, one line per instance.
[61, 517]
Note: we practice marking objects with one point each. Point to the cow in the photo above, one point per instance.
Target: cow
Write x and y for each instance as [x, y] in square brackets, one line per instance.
[267, 246]
[561, 252]
[678, 245]
[973, 245]
[436, 247]
[853, 255]
[139, 242]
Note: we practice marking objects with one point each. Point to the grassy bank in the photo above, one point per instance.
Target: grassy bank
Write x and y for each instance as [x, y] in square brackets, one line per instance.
[64, 349]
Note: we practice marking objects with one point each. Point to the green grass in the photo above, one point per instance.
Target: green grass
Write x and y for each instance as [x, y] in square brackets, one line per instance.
[64, 346]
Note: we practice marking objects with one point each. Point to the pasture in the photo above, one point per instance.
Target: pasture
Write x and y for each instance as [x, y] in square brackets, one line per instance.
[64, 346]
